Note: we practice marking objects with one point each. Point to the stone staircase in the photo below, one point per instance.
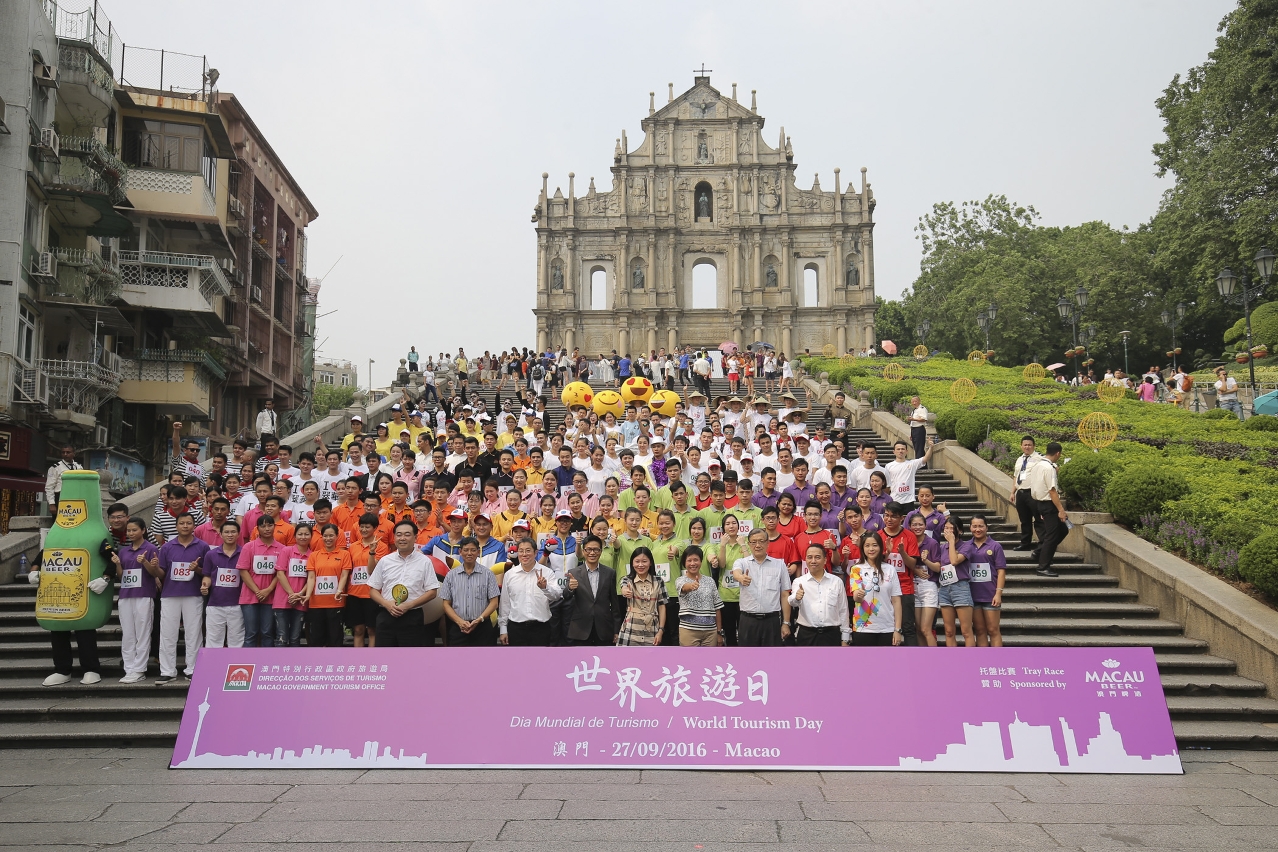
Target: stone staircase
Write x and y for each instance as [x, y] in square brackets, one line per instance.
[1211, 705]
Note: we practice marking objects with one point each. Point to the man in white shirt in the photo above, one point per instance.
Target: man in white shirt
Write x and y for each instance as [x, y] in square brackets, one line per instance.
[53, 480]
[765, 595]
[527, 591]
[1051, 510]
[918, 426]
[1026, 509]
[859, 475]
[822, 600]
[900, 474]
[1227, 392]
[268, 421]
[401, 583]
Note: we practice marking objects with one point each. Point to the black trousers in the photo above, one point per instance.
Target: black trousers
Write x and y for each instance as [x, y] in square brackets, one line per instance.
[484, 634]
[871, 640]
[593, 639]
[908, 624]
[324, 628]
[918, 437]
[85, 640]
[1052, 534]
[407, 631]
[671, 637]
[1027, 511]
[759, 631]
[528, 633]
[820, 636]
[731, 614]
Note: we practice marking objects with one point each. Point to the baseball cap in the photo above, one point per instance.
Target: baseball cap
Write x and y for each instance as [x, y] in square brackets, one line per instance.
[802, 437]
[357, 417]
[457, 515]
[414, 413]
[397, 407]
[484, 516]
[520, 524]
[715, 464]
[562, 513]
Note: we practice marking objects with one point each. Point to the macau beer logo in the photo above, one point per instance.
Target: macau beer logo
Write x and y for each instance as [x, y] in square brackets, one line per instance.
[64, 580]
[72, 513]
[1112, 675]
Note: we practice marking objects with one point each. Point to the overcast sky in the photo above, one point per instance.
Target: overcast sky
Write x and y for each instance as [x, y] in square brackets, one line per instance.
[420, 130]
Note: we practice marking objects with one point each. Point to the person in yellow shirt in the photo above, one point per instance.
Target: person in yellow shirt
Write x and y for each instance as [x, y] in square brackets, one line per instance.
[543, 524]
[384, 440]
[416, 427]
[608, 511]
[470, 429]
[647, 517]
[356, 434]
[509, 433]
[535, 469]
[504, 521]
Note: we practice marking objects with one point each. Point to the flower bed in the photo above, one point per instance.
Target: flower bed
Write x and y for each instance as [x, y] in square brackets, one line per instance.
[1230, 471]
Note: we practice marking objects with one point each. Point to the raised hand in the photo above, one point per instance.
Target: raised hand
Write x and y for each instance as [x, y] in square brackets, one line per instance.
[798, 593]
[572, 582]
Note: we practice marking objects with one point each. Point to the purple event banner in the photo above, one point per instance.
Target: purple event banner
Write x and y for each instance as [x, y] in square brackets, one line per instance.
[927, 709]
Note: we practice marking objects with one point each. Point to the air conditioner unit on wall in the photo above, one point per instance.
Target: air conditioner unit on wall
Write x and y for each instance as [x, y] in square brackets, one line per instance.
[100, 435]
[45, 75]
[48, 147]
[35, 386]
[255, 293]
[228, 265]
[46, 265]
[236, 207]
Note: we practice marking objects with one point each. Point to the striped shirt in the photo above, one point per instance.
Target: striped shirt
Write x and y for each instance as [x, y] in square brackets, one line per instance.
[469, 593]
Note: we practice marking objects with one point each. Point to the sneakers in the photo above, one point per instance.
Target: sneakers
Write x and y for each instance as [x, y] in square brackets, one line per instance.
[135, 677]
[56, 679]
[164, 680]
[91, 678]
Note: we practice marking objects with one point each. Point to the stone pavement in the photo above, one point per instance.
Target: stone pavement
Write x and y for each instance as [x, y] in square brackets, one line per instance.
[128, 799]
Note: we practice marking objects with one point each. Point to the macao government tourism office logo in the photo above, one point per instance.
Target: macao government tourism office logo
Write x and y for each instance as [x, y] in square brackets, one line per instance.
[239, 678]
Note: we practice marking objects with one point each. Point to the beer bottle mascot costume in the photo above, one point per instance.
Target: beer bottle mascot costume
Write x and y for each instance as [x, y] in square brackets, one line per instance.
[74, 577]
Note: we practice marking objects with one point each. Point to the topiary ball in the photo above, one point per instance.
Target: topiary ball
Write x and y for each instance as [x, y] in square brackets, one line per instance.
[1141, 490]
[1258, 563]
[975, 426]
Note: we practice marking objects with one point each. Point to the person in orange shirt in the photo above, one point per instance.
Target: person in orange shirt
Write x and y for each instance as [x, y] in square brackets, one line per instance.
[424, 518]
[328, 570]
[385, 530]
[283, 530]
[360, 611]
[347, 513]
[398, 510]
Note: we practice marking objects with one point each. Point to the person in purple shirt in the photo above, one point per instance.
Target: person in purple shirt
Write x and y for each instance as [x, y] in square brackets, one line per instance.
[180, 598]
[225, 620]
[840, 494]
[767, 495]
[830, 514]
[871, 521]
[933, 516]
[879, 494]
[986, 570]
[801, 490]
[139, 563]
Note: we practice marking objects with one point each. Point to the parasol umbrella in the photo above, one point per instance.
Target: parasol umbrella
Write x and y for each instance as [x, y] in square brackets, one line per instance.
[1266, 404]
[727, 347]
[888, 346]
[1055, 366]
[759, 344]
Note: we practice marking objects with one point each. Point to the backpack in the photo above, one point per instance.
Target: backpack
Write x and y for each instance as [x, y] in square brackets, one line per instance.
[538, 373]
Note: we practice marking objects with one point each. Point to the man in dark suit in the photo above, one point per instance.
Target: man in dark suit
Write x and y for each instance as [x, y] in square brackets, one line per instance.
[592, 589]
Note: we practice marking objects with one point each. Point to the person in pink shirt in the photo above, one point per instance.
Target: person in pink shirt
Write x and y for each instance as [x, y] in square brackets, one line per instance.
[209, 532]
[1148, 391]
[287, 605]
[262, 491]
[258, 559]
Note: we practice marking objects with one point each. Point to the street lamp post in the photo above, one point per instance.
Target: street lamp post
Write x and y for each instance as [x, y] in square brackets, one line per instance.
[371, 362]
[1125, 334]
[922, 329]
[984, 319]
[1228, 285]
[1073, 315]
[1171, 321]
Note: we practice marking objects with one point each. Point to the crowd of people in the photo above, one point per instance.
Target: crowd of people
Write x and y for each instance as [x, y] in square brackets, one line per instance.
[725, 523]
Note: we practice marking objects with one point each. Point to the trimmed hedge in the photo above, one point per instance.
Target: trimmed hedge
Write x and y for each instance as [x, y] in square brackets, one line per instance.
[1261, 423]
[1142, 490]
[975, 426]
[1084, 478]
[945, 423]
[1258, 563]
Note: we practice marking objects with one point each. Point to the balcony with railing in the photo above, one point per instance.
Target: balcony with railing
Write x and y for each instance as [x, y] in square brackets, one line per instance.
[84, 278]
[191, 285]
[77, 389]
[175, 381]
[97, 158]
[85, 87]
[162, 192]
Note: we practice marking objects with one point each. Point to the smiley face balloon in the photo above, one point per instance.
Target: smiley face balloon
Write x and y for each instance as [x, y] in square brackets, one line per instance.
[577, 395]
[608, 400]
[663, 402]
[636, 389]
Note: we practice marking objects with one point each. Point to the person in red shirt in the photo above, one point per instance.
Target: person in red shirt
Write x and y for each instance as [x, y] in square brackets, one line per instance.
[781, 546]
[901, 551]
[347, 513]
[789, 522]
[813, 534]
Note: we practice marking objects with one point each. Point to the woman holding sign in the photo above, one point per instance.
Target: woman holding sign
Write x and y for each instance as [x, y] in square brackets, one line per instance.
[328, 569]
[646, 597]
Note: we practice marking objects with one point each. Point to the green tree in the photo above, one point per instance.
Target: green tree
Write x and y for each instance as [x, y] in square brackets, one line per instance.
[1220, 122]
[890, 323]
[328, 396]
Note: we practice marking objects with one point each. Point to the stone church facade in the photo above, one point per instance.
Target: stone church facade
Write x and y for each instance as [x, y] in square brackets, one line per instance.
[704, 188]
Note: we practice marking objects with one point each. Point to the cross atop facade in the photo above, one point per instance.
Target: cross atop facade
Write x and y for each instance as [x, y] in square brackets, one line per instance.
[704, 70]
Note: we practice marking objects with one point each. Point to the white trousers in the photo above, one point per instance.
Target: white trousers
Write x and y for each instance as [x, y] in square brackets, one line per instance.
[136, 617]
[189, 612]
[224, 624]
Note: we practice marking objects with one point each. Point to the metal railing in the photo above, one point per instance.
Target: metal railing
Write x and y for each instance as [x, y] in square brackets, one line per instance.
[79, 59]
[212, 280]
[82, 20]
[199, 357]
[167, 71]
[84, 278]
[86, 371]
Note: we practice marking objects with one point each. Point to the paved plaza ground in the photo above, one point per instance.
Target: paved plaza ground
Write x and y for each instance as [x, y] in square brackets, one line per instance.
[128, 799]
